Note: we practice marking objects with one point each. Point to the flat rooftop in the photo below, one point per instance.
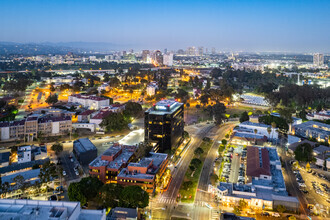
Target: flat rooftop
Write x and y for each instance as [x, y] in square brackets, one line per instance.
[249, 123]
[84, 145]
[156, 158]
[164, 107]
[123, 157]
[315, 126]
[36, 209]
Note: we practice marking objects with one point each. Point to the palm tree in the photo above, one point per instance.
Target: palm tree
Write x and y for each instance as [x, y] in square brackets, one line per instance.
[273, 127]
[269, 130]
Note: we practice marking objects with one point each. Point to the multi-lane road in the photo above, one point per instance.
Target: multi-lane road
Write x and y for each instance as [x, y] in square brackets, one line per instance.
[165, 206]
[201, 211]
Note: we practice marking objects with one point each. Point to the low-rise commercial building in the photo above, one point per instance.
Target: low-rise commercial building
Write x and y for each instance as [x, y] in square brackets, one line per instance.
[107, 166]
[313, 129]
[247, 138]
[30, 153]
[143, 173]
[120, 213]
[265, 186]
[40, 210]
[84, 150]
[261, 129]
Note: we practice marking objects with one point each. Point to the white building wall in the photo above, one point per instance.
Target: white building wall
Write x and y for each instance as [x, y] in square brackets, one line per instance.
[89, 126]
[5, 133]
[55, 127]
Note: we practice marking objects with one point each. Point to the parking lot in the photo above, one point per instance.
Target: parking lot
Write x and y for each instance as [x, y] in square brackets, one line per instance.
[317, 188]
[234, 166]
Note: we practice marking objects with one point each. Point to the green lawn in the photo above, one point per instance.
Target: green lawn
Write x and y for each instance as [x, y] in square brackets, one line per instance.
[188, 195]
[239, 109]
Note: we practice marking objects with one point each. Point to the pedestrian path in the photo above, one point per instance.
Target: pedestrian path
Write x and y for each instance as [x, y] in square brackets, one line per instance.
[166, 200]
[215, 214]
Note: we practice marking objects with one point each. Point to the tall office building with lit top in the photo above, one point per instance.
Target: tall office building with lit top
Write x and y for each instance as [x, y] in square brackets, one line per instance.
[164, 125]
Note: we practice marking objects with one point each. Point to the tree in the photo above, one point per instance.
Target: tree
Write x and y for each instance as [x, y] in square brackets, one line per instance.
[302, 114]
[214, 178]
[90, 186]
[195, 163]
[304, 152]
[224, 141]
[242, 204]
[269, 130]
[187, 184]
[198, 151]
[47, 172]
[133, 197]
[281, 208]
[219, 110]
[204, 99]
[57, 148]
[52, 99]
[115, 122]
[133, 109]
[114, 82]
[75, 193]
[84, 190]
[109, 195]
[244, 117]
[20, 182]
[52, 88]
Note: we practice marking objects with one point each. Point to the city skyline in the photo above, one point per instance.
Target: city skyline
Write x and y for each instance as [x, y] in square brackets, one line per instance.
[227, 25]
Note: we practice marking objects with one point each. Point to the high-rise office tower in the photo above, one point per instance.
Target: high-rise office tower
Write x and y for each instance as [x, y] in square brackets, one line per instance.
[318, 59]
[191, 51]
[200, 51]
[145, 54]
[168, 59]
[158, 57]
[213, 50]
[164, 125]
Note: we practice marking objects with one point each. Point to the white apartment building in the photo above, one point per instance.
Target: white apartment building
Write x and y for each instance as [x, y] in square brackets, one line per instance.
[24, 154]
[89, 101]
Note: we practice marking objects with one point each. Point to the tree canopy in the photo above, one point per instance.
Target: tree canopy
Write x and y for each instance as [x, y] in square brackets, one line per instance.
[304, 152]
[244, 117]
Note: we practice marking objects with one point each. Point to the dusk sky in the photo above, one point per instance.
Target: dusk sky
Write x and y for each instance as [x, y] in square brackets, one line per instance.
[248, 25]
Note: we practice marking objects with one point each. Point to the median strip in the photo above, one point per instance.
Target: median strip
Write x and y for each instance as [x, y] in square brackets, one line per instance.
[188, 187]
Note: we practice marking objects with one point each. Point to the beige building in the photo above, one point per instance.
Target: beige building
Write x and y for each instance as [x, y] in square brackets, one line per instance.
[34, 126]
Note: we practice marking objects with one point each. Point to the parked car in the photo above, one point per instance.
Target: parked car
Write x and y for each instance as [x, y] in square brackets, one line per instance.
[276, 215]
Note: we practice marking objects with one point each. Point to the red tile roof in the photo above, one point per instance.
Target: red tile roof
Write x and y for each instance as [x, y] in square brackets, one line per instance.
[257, 162]
[87, 112]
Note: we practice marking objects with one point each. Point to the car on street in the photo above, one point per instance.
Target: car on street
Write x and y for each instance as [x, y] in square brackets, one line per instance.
[276, 215]
[64, 173]
[265, 214]
[77, 173]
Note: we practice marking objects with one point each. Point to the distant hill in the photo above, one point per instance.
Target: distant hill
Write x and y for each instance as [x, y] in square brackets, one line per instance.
[7, 48]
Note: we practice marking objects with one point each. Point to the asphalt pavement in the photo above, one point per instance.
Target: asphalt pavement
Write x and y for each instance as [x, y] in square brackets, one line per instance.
[204, 203]
[165, 205]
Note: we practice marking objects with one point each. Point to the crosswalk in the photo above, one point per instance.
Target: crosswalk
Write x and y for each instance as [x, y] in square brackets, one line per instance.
[215, 214]
[166, 200]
